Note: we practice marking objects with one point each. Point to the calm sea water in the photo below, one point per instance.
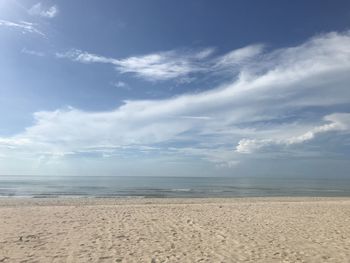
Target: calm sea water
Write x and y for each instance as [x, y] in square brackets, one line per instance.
[101, 186]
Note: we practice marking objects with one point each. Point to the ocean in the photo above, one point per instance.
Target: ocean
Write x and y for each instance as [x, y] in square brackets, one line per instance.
[146, 187]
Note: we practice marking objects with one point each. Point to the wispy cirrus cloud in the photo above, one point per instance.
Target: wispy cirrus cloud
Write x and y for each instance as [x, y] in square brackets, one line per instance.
[174, 64]
[24, 27]
[32, 52]
[154, 67]
[267, 105]
[120, 84]
[39, 10]
[238, 57]
[163, 65]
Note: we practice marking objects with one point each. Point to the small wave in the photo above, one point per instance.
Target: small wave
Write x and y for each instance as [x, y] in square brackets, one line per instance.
[322, 190]
[181, 190]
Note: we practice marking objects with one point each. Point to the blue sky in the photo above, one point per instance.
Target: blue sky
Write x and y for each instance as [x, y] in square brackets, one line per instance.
[186, 88]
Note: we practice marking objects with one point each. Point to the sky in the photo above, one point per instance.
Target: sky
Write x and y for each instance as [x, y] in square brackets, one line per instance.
[175, 88]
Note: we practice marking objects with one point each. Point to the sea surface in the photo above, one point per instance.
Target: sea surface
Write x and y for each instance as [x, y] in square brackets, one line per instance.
[144, 187]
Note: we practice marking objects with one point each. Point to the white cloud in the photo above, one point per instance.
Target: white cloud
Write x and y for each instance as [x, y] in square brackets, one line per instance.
[251, 145]
[25, 27]
[238, 56]
[153, 67]
[84, 57]
[39, 10]
[33, 52]
[174, 64]
[338, 122]
[161, 66]
[252, 112]
[120, 84]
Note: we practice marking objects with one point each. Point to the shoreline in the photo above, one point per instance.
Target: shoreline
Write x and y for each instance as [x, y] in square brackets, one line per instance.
[93, 200]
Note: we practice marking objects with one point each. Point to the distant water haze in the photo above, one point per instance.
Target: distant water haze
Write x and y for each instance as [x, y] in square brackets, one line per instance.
[143, 187]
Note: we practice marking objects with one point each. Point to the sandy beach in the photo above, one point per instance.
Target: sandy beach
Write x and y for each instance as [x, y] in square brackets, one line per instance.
[175, 230]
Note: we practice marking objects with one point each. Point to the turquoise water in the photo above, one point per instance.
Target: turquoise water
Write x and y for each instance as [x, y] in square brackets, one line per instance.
[117, 186]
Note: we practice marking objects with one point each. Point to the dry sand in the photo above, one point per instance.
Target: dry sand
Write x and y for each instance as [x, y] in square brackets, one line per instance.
[175, 230]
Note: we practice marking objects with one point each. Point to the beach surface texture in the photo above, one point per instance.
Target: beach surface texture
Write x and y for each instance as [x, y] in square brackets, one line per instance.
[175, 230]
